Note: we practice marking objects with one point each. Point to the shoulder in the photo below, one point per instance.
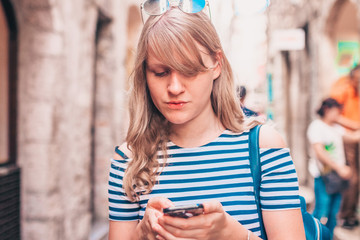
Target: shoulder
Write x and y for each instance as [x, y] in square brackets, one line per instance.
[124, 152]
[270, 138]
[340, 87]
[316, 124]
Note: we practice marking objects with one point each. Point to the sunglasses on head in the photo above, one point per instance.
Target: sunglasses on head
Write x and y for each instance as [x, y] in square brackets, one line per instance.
[158, 7]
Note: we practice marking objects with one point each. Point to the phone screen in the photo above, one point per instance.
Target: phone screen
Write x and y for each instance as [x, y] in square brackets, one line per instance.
[185, 211]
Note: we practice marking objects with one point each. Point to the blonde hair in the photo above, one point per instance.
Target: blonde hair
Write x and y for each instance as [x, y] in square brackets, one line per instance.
[172, 38]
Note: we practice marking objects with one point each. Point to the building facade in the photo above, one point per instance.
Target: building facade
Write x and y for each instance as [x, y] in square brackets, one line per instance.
[66, 111]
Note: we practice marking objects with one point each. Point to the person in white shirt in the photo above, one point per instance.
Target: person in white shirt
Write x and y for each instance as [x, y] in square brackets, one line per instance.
[327, 151]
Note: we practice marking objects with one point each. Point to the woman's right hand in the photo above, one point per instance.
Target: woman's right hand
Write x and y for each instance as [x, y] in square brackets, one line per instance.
[344, 172]
[149, 225]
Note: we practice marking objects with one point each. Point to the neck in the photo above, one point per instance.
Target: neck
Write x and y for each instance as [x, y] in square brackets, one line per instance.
[197, 132]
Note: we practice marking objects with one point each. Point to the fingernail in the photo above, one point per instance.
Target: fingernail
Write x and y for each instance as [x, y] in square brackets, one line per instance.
[159, 237]
[155, 227]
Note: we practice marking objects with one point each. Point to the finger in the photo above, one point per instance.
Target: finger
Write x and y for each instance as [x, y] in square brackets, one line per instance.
[213, 206]
[160, 202]
[196, 222]
[153, 219]
[164, 234]
[160, 237]
[182, 233]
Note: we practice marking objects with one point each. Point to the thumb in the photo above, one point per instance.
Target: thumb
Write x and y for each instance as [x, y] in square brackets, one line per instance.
[213, 206]
[159, 203]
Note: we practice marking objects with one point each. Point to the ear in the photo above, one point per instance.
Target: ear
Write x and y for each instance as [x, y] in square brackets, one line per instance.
[218, 68]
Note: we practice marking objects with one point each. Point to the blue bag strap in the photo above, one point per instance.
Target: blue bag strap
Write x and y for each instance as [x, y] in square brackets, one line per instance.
[255, 167]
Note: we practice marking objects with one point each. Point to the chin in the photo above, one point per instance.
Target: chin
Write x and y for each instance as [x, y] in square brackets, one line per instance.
[176, 120]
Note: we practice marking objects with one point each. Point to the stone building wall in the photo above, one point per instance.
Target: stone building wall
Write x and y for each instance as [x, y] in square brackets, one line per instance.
[70, 111]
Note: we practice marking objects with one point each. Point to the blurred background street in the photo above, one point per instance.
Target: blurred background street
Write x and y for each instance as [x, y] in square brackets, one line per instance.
[64, 69]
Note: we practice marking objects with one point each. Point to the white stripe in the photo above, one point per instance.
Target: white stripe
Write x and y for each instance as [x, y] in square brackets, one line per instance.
[280, 202]
[279, 185]
[279, 193]
[203, 175]
[199, 193]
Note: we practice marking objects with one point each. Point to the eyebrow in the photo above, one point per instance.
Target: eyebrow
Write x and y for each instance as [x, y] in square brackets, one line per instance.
[155, 65]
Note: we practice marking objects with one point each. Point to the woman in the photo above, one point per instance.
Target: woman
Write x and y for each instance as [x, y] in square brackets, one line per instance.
[326, 138]
[187, 143]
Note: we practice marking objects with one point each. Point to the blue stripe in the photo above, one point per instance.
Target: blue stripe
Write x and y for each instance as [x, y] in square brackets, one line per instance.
[250, 221]
[117, 168]
[207, 170]
[121, 153]
[279, 189]
[270, 198]
[224, 135]
[281, 165]
[115, 184]
[120, 161]
[283, 180]
[113, 175]
[234, 203]
[275, 158]
[269, 151]
[127, 210]
[116, 193]
[282, 206]
[242, 212]
[121, 201]
[201, 162]
[288, 172]
[219, 143]
[119, 218]
[256, 229]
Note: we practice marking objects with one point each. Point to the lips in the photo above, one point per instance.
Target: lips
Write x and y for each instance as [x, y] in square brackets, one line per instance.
[176, 105]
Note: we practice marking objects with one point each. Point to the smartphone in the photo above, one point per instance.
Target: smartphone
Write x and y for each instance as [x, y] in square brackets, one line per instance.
[184, 211]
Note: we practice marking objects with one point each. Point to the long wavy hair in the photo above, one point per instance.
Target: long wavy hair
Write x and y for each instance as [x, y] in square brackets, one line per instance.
[172, 38]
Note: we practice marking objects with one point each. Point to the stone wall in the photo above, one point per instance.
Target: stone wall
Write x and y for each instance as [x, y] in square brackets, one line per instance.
[71, 98]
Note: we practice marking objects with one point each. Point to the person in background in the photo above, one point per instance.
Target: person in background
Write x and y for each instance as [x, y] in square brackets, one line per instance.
[241, 93]
[187, 144]
[326, 138]
[346, 92]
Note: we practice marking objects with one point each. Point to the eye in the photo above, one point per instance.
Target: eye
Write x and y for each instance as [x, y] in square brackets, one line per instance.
[161, 73]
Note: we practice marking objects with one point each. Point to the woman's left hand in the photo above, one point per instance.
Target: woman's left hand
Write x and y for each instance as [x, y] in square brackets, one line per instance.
[213, 224]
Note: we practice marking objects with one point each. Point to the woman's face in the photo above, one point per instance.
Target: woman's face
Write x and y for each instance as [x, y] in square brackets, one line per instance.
[182, 99]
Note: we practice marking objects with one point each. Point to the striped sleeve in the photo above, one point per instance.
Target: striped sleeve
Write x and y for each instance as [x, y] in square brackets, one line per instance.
[279, 188]
[120, 206]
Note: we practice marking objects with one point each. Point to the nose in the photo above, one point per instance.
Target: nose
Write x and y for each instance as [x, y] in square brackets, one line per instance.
[175, 85]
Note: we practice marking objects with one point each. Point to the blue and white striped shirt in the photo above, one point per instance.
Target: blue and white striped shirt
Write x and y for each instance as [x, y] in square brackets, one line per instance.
[218, 170]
